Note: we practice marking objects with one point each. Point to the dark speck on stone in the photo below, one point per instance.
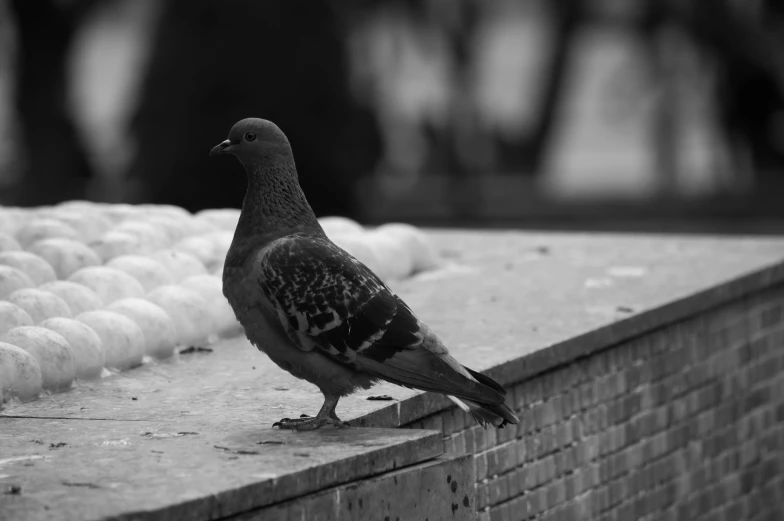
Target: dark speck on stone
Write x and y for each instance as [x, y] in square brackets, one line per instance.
[544, 250]
[350, 505]
[360, 503]
[13, 489]
[455, 506]
[195, 349]
[449, 478]
[466, 503]
[454, 486]
[383, 397]
[134, 398]
[624, 309]
[395, 480]
[386, 518]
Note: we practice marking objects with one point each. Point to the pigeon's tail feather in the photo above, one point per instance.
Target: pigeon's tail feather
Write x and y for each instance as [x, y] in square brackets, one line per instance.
[494, 414]
[428, 371]
[479, 395]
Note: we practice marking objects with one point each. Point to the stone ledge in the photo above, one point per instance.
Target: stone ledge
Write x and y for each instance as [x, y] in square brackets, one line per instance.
[512, 305]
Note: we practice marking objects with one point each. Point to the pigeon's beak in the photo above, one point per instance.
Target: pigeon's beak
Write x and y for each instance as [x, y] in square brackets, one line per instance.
[221, 148]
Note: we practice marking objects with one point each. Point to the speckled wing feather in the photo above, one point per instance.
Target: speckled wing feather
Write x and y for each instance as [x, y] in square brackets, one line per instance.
[327, 300]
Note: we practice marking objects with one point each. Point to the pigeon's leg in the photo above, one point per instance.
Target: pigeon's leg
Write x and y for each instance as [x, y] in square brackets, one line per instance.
[326, 416]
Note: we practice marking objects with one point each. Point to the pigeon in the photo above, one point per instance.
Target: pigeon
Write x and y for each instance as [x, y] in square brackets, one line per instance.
[318, 312]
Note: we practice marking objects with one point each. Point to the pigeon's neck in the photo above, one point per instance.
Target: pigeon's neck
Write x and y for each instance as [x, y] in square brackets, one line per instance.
[274, 204]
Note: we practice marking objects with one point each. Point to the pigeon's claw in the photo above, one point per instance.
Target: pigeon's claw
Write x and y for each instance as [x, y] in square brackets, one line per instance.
[326, 416]
[310, 424]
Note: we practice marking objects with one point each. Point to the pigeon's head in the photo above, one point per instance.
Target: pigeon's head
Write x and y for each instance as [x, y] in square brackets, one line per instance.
[254, 139]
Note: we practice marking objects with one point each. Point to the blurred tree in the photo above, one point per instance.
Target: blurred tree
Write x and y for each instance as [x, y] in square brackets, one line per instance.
[746, 47]
[214, 63]
[55, 164]
[750, 90]
[528, 157]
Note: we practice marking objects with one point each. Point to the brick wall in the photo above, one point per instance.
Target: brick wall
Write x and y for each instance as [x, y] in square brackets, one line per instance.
[685, 422]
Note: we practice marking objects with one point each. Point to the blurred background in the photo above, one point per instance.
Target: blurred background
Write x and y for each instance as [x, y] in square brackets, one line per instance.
[656, 115]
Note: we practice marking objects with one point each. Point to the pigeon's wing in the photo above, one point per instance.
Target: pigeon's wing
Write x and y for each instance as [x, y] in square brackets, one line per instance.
[327, 300]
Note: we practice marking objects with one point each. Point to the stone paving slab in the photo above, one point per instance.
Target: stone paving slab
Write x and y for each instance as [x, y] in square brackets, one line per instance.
[108, 469]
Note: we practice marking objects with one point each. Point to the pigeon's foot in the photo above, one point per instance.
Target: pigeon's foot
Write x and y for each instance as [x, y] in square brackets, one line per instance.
[326, 416]
[307, 423]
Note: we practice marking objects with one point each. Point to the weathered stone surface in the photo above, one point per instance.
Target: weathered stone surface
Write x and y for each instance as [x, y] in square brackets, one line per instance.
[439, 489]
[512, 304]
[79, 469]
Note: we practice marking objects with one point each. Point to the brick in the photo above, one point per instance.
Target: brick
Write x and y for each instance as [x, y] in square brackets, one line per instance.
[482, 495]
[552, 384]
[749, 453]
[498, 490]
[461, 419]
[617, 464]
[521, 454]
[536, 415]
[574, 396]
[660, 393]
[563, 434]
[549, 412]
[449, 445]
[519, 396]
[571, 486]
[507, 457]
[490, 437]
[460, 442]
[559, 459]
[588, 395]
[706, 422]
[587, 450]
[771, 316]
[528, 477]
[506, 434]
[468, 436]
[448, 421]
[500, 513]
[549, 469]
[516, 480]
[533, 503]
[481, 438]
[697, 375]
[634, 456]
[598, 364]
[533, 391]
[481, 466]
[764, 370]
[602, 416]
[617, 492]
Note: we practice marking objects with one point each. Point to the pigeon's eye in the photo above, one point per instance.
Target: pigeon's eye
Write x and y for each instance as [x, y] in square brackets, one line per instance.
[250, 136]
